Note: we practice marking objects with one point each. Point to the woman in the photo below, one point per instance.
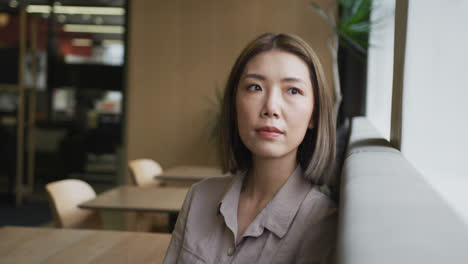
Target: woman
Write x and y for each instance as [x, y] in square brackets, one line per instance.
[278, 143]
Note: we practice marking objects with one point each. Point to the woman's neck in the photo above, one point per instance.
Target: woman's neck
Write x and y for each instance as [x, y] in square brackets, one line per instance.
[267, 176]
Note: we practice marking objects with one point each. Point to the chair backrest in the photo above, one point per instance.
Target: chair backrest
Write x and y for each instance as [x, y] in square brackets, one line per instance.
[143, 171]
[65, 196]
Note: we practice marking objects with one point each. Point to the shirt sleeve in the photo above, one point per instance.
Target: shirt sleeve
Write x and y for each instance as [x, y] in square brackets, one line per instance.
[177, 239]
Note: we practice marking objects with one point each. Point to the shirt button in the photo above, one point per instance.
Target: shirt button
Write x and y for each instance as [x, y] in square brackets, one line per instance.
[230, 252]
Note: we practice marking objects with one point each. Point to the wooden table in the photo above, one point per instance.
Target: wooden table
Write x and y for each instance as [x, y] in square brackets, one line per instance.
[141, 199]
[20, 245]
[189, 173]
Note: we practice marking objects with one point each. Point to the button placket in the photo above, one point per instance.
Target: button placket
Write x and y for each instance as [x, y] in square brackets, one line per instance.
[230, 251]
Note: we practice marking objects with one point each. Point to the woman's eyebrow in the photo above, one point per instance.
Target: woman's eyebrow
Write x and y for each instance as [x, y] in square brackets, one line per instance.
[263, 78]
[293, 79]
[255, 76]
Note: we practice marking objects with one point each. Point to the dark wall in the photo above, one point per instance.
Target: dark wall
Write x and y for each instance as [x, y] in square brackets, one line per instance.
[90, 76]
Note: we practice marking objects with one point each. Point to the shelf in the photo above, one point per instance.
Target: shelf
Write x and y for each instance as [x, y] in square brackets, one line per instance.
[8, 87]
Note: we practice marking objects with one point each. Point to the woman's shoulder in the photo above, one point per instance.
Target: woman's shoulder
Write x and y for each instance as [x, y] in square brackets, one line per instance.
[211, 188]
[319, 203]
[214, 182]
[203, 201]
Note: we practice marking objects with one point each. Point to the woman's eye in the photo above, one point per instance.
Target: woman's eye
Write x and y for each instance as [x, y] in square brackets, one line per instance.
[254, 87]
[294, 91]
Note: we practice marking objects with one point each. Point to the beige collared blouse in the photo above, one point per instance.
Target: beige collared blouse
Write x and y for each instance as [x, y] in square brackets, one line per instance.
[297, 226]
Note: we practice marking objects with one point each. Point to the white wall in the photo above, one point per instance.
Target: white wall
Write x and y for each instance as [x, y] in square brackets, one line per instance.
[434, 126]
[435, 97]
[380, 67]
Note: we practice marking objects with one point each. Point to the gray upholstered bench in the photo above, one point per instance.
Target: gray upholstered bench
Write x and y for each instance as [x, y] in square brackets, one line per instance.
[388, 212]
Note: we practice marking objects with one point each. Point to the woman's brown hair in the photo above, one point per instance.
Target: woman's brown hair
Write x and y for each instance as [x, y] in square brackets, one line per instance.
[316, 153]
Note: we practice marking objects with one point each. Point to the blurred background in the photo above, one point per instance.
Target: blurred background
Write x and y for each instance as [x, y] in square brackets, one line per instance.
[87, 85]
[61, 96]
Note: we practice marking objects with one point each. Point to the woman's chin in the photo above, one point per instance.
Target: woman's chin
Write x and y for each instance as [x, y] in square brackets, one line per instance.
[270, 153]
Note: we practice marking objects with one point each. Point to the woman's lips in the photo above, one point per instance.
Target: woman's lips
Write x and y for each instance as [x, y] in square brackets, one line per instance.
[269, 132]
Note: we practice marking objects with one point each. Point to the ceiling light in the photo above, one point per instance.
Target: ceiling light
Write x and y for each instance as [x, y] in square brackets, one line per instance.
[38, 9]
[93, 29]
[82, 10]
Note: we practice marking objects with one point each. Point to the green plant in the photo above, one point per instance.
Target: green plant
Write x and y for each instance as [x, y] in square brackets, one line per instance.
[351, 31]
[353, 26]
[214, 114]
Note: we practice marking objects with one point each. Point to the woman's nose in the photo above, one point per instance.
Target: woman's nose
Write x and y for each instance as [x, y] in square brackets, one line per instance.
[271, 106]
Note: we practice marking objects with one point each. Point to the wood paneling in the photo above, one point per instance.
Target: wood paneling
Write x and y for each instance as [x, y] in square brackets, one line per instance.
[180, 50]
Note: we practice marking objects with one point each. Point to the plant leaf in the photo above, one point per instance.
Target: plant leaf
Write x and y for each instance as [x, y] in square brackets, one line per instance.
[362, 27]
[350, 43]
[322, 13]
[360, 11]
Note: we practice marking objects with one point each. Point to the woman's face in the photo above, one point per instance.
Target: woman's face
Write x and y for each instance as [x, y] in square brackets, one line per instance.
[274, 103]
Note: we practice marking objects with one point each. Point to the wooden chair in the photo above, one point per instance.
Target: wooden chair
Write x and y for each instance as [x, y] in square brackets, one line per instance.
[143, 171]
[64, 198]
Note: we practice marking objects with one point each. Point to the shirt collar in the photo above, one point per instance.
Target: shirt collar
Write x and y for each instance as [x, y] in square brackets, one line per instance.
[279, 213]
[281, 210]
[228, 204]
